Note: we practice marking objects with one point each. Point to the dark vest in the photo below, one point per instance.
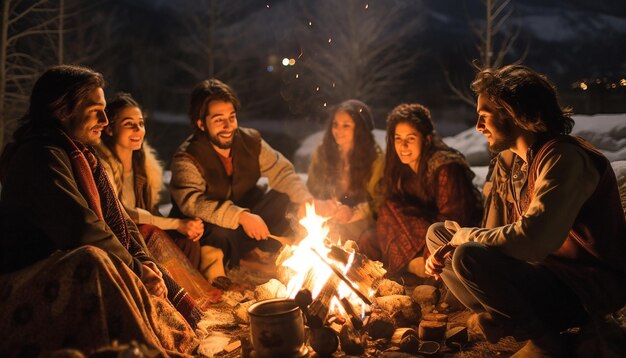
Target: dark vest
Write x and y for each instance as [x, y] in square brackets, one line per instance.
[241, 187]
[592, 259]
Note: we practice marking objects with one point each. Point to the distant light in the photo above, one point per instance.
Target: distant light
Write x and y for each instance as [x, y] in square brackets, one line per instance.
[270, 68]
[310, 23]
[598, 81]
[613, 85]
[268, 6]
[292, 62]
[360, 110]
[583, 86]
[285, 61]
[324, 104]
[333, 84]
[318, 88]
[622, 82]
[330, 40]
[366, 6]
[297, 75]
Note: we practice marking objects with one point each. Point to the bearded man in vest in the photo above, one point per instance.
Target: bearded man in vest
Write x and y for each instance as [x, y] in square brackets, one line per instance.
[551, 252]
[215, 174]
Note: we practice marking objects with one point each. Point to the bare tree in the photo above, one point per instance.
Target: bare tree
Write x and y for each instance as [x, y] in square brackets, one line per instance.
[217, 42]
[497, 34]
[27, 29]
[353, 49]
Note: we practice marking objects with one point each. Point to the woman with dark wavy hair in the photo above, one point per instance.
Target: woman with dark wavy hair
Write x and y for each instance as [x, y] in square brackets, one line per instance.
[425, 181]
[136, 175]
[345, 169]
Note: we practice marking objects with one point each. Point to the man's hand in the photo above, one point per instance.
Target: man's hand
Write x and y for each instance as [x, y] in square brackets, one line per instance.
[153, 279]
[254, 226]
[191, 228]
[437, 260]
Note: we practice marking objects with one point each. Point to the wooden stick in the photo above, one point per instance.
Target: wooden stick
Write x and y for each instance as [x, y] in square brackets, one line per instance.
[343, 278]
[283, 240]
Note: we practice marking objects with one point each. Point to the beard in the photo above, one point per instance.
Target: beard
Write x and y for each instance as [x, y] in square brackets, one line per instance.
[215, 140]
[503, 137]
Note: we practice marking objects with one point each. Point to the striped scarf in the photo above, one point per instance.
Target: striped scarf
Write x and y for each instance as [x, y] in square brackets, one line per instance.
[94, 184]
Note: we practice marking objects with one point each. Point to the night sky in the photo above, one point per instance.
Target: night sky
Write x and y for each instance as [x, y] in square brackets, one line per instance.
[382, 52]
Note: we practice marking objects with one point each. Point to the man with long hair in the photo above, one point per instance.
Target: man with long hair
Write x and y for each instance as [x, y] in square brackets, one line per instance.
[73, 264]
[550, 255]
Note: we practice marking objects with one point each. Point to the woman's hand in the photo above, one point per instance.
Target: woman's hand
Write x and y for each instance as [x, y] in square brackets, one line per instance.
[343, 214]
[153, 279]
[325, 208]
[191, 228]
[254, 226]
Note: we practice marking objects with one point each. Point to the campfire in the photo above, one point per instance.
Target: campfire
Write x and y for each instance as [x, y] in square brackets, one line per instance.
[347, 303]
[337, 278]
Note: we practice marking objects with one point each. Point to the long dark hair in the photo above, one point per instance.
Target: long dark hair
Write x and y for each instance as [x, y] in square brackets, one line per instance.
[364, 151]
[398, 176]
[205, 92]
[56, 95]
[528, 96]
[117, 103]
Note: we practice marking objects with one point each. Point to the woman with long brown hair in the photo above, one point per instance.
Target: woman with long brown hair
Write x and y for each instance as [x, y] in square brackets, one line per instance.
[345, 169]
[425, 181]
[136, 175]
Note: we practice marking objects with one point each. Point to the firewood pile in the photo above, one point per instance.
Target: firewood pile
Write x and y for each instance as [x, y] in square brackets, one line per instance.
[377, 315]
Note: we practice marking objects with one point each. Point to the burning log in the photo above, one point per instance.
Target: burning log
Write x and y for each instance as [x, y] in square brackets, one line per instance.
[340, 275]
[351, 343]
[318, 309]
[285, 253]
[362, 270]
[324, 341]
[354, 317]
[379, 324]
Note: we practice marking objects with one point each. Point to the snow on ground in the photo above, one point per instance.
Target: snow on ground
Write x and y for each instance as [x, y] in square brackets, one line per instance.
[607, 132]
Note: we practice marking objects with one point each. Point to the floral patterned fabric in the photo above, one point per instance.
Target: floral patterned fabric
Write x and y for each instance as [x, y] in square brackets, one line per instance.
[85, 299]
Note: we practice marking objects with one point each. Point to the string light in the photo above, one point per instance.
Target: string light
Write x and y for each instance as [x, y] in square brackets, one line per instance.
[267, 6]
[366, 6]
[329, 40]
[297, 75]
[310, 24]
